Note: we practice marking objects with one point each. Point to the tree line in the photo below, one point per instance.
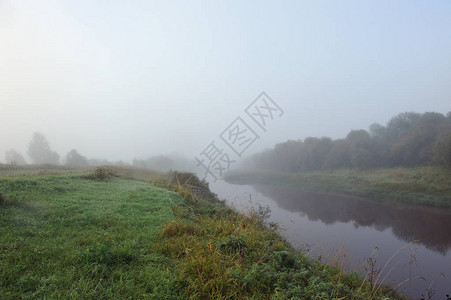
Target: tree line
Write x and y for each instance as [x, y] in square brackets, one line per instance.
[39, 152]
[408, 139]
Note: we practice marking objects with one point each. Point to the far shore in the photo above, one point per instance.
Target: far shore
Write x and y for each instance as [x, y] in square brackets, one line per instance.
[419, 186]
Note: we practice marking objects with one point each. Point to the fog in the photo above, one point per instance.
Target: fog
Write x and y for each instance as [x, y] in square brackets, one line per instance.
[124, 80]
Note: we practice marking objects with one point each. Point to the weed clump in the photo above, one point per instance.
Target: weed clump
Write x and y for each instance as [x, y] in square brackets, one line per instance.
[9, 200]
[179, 228]
[99, 174]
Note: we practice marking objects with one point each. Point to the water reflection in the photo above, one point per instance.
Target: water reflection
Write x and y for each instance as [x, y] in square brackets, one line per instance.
[432, 228]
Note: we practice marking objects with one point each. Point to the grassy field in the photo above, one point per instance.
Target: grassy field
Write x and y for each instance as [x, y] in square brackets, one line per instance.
[427, 186]
[70, 237]
[29, 170]
[99, 235]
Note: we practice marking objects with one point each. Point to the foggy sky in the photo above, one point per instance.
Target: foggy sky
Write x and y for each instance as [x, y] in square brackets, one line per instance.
[119, 80]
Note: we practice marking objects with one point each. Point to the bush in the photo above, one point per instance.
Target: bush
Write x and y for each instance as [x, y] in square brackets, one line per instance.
[100, 174]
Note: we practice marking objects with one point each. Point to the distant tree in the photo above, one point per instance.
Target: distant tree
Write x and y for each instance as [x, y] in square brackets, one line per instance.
[415, 146]
[339, 156]
[360, 144]
[399, 125]
[322, 150]
[313, 153]
[442, 146]
[362, 158]
[380, 144]
[442, 151]
[378, 131]
[287, 156]
[14, 158]
[408, 139]
[359, 138]
[74, 159]
[40, 152]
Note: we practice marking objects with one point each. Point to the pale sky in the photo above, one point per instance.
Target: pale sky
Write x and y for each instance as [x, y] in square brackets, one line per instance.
[126, 79]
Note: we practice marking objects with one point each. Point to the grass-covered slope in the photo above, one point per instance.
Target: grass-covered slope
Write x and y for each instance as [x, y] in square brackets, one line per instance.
[427, 186]
[75, 236]
[66, 236]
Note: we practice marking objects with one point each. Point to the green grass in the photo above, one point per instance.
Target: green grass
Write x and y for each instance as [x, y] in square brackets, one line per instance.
[77, 236]
[426, 186]
[36, 170]
[65, 236]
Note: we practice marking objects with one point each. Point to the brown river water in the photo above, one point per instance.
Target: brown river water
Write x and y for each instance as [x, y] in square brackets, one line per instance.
[355, 229]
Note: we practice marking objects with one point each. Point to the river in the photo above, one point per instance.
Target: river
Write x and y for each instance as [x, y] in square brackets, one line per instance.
[353, 229]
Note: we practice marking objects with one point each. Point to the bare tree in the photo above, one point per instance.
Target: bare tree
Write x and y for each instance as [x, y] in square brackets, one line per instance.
[14, 158]
[40, 152]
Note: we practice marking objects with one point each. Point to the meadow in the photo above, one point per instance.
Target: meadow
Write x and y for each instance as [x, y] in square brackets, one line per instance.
[128, 233]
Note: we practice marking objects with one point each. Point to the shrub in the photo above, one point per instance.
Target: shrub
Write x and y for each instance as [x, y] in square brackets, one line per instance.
[100, 174]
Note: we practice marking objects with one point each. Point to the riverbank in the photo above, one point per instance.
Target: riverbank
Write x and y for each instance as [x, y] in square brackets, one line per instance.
[424, 186]
[100, 235]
